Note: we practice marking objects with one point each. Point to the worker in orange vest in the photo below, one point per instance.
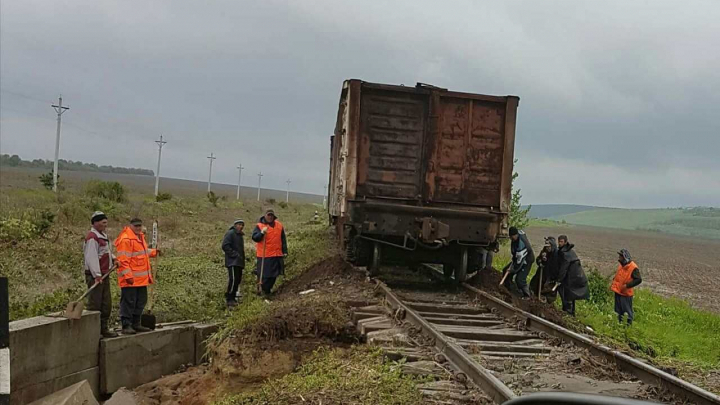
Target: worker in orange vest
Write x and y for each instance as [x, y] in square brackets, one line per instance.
[271, 248]
[134, 275]
[626, 277]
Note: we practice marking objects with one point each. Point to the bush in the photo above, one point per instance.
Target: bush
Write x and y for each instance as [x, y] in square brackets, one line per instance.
[163, 197]
[29, 224]
[283, 204]
[109, 190]
[599, 287]
[47, 180]
[270, 201]
[213, 198]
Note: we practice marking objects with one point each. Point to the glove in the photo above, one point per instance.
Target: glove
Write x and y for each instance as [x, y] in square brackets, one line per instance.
[130, 281]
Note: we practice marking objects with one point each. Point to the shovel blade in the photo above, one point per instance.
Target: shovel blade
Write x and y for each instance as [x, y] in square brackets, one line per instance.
[74, 309]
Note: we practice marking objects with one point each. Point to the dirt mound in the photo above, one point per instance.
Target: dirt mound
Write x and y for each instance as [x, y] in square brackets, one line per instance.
[489, 281]
[319, 274]
[313, 315]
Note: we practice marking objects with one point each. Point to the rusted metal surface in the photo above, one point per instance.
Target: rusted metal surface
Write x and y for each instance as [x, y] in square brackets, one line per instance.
[428, 152]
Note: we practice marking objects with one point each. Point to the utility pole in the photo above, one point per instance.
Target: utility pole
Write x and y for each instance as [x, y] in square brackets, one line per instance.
[157, 173]
[211, 157]
[259, 182]
[239, 177]
[287, 195]
[59, 109]
[325, 196]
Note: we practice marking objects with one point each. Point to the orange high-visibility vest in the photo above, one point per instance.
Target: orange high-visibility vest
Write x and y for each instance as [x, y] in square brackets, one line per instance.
[133, 257]
[622, 277]
[273, 240]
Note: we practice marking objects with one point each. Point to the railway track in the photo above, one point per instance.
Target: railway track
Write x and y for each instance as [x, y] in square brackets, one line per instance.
[508, 353]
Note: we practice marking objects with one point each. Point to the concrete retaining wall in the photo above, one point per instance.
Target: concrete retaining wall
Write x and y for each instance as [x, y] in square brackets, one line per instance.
[49, 353]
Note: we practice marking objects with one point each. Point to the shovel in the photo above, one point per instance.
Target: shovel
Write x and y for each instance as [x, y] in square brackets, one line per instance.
[74, 309]
[262, 267]
[148, 319]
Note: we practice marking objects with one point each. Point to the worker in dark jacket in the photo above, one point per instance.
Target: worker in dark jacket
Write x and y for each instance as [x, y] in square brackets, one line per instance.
[234, 249]
[627, 277]
[572, 279]
[522, 260]
[271, 248]
[547, 268]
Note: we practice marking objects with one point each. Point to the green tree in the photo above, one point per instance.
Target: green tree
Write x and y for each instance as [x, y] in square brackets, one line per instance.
[47, 180]
[518, 215]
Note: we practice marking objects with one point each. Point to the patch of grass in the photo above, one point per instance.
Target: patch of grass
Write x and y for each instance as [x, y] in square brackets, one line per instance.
[359, 375]
[543, 222]
[666, 329]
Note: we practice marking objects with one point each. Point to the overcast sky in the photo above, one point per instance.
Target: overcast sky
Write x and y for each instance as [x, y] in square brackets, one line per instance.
[619, 101]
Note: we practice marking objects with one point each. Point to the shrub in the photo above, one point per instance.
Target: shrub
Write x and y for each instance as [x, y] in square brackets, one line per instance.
[163, 197]
[43, 222]
[16, 229]
[283, 204]
[270, 201]
[599, 287]
[213, 198]
[109, 190]
[47, 180]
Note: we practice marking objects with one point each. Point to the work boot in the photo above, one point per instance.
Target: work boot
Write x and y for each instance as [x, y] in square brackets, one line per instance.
[526, 291]
[141, 329]
[105, 331]
[231, 304]
[128, 330]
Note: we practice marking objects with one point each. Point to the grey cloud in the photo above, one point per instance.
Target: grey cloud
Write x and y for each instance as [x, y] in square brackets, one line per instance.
[630, 86]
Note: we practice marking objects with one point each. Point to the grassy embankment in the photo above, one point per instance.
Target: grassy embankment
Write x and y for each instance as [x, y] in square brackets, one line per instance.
[41, 247]
[40, 251]
[668, 330]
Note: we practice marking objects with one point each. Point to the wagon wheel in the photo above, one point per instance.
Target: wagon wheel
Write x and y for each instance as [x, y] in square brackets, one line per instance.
[374, 266]
[461, 270]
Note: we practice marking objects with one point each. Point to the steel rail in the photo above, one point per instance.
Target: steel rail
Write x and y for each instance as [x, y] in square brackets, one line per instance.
[455, 354]
[645, 372]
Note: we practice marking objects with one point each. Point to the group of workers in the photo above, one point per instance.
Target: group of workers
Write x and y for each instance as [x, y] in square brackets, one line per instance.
[134, 272]
[559, 271]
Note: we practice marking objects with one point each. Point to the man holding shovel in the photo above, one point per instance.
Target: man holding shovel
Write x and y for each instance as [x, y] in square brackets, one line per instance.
[98, 258]
[271, 247]
[134, 275]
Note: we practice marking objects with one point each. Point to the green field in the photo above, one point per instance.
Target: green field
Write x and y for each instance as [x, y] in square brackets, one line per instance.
[702, 222]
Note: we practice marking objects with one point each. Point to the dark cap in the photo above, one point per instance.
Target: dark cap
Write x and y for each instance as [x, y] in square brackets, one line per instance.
[136, 221]
[97, 216]
[271, 211]
[513, 231]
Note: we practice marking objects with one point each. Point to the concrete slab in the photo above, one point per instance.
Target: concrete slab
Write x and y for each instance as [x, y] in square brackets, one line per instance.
[123, 396]
[34, 392]
[130, 361]
[76, 394]
[202, 333]
[46, 348]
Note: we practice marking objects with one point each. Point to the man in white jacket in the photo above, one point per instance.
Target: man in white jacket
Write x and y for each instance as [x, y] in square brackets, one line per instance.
[98, 257]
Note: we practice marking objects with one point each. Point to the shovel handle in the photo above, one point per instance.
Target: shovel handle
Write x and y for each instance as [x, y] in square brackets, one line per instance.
[95, 285]
[507, 273]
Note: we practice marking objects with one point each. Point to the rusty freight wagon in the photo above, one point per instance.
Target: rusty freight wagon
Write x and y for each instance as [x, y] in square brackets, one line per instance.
[420, 174]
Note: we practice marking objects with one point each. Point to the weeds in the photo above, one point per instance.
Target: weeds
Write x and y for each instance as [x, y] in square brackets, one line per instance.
[108, 190]
[358, 375]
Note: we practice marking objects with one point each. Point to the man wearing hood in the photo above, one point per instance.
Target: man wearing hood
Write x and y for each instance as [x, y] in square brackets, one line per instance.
[271, 248]
[548, 262]
[234, 249]
[572, 279]
[626, 277]
[522, 260]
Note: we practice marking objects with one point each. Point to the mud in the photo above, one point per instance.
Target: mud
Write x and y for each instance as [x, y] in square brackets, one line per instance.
[489, 281]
